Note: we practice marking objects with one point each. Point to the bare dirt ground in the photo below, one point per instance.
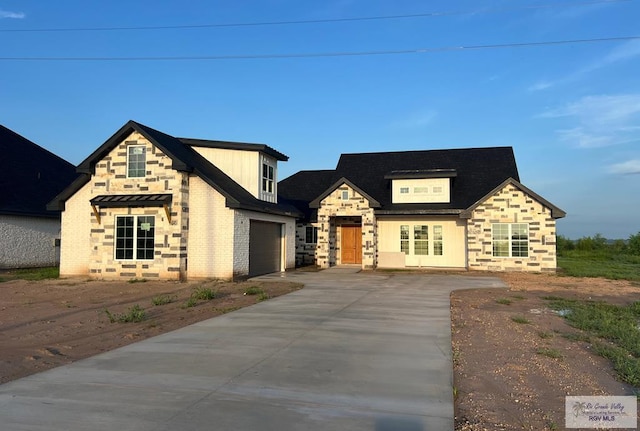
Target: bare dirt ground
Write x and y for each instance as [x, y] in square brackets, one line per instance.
[45, 324]
[501, 382]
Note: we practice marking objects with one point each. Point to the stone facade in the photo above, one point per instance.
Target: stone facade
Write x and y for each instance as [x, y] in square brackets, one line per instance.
[171, 236]
[305, 252]
[335, 211]
[512, 205]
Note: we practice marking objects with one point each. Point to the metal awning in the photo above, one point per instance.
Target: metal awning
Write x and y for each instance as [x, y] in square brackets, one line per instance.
[127, 201]
[154, 200]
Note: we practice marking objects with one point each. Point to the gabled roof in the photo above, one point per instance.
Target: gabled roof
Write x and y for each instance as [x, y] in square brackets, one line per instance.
[241, 146]
[184, 159]
[316, 202]
[30, 176]
[473, 172]
[555, 211]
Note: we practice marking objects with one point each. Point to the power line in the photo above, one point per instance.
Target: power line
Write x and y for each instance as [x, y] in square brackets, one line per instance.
[329, 54]
[317, 21]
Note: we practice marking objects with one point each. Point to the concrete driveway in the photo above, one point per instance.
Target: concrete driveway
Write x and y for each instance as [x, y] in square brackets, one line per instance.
[348, 352]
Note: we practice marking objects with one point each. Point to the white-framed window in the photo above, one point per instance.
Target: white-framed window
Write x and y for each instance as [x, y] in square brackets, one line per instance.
[421, 240]
[311, 235]
[510, 239]
[404, 238]
[438, 249]
[268, 178]
[345, 195]
[134, 237]
[136, 161]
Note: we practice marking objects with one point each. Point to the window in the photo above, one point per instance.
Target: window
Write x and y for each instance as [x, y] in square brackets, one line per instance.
[136, 161]
[345, 195]
[268, 177]
[135, 237]
[311, 236]
[421, 189]
[404, 238]
[437, 190]
[510, 239]
[404, 190]
[437, 241]
[421, 240]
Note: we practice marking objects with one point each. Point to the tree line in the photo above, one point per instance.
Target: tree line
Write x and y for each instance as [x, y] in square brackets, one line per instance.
[599, 243]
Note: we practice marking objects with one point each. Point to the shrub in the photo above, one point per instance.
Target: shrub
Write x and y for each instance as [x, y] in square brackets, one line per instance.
[135, 314]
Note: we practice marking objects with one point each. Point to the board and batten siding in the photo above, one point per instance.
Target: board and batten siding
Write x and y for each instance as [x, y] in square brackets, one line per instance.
[453, 237]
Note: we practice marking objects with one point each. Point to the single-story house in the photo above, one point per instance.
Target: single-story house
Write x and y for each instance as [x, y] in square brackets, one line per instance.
[151, 205]
[30, 176]
[457, 208]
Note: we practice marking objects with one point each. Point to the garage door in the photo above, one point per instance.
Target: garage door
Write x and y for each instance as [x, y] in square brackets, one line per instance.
[264, 247]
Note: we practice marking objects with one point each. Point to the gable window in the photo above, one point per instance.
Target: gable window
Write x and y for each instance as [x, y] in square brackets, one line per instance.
[136, 161]
[345, 195]
[510, 239]
[135, 237]
[421, 240]
[268, 177]
[311, 235]
[437, 241]
[404, 238]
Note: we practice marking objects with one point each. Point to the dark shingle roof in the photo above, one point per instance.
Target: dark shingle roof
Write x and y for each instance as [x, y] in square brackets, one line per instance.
[30, 176]
[473, 172]
[184, 159]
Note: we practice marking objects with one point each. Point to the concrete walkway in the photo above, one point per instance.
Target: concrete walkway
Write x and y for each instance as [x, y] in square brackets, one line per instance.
[348, 352]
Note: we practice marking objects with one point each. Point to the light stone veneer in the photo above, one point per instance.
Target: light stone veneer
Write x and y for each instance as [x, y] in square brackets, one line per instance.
[110, 178]
[28, 241]
[333, 212]
[512, 205]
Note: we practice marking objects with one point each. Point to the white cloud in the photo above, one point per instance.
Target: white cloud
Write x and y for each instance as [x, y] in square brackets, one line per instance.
[8, 14]
[599, 121]
[625, 51]
[630, 167]
[417, 119]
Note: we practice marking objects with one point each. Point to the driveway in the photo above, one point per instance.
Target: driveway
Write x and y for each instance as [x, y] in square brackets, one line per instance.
[350, 351]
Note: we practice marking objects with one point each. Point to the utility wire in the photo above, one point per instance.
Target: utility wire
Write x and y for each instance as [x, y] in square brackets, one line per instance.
[328, 54]
[316, 21]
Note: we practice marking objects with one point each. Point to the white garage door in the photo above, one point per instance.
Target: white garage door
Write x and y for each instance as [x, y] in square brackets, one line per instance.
[264, 247]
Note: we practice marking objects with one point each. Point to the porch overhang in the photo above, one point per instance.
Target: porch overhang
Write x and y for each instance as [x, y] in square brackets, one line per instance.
[132, 200]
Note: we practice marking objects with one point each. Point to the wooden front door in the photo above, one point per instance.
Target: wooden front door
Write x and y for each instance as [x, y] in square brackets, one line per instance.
[351, 244]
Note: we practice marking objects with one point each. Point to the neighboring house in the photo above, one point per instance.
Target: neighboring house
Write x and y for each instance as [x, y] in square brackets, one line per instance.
[460, 208]
[150, 205]
[30, 176]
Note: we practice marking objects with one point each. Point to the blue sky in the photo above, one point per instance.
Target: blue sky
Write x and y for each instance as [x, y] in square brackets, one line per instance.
[571, 111]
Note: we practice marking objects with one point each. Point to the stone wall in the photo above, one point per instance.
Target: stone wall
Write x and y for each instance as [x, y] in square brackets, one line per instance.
[331, 209]
[170, 235]
[511, 205]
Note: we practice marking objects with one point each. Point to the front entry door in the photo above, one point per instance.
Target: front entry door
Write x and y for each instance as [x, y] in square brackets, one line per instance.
[351, 244]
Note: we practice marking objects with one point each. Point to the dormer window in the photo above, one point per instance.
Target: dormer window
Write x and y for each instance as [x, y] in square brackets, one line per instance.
[136, 161]
[268, 177]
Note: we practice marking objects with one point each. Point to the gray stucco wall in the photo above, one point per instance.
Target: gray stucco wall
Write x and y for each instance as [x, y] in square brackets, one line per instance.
[28, 242]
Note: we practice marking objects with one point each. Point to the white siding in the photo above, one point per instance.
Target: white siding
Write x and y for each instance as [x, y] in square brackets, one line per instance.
[242, 166]
[75, 247]
[454, 243]
[28, 241]
[421, 190]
